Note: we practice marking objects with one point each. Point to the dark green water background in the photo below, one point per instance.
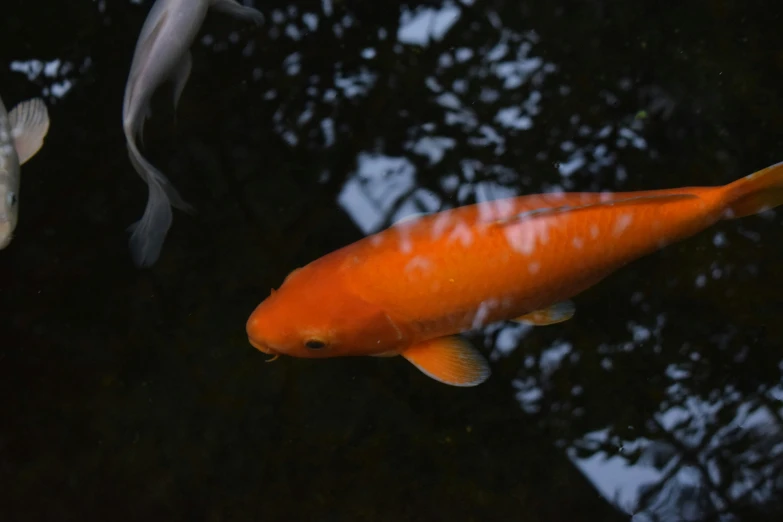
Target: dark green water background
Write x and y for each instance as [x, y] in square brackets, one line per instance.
[131, 394]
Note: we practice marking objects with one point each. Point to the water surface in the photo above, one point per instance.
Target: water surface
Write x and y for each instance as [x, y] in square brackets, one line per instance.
[133, 394]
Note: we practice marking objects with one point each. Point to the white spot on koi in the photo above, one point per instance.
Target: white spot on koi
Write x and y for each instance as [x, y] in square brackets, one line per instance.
[578, 242]
[483, 312]
[534, 267]
[462, 233]
[622, 223]
[440, 225]
[495, 210]
[594, 231]
[406, 245]
[394, 325]
[520, 239]
[418, 262]
[525, 236]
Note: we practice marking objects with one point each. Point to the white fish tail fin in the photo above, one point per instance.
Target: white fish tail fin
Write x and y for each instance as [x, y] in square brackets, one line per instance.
[755, 193]
[149, 233]
[234, 8]
[29, 125]
[180, 75]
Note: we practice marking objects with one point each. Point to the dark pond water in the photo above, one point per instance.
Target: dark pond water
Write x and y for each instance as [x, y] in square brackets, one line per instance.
[133, 394]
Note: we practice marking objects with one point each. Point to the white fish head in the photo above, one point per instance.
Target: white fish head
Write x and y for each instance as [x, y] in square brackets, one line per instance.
[9, 180]
[22, 132]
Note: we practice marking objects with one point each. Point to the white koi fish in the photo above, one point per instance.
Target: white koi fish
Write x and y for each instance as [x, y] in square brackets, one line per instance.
[162, 54]
[21, 135]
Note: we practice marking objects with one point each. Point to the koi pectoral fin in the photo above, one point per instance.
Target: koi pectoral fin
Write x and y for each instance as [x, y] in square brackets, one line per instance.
[557, 313]
[29, 125]
[450, 360]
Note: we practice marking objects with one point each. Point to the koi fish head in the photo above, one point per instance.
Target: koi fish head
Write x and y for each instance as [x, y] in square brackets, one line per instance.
[311, 316]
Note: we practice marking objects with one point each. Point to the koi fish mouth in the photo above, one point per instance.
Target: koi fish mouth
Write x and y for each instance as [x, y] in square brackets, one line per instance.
[264, 349]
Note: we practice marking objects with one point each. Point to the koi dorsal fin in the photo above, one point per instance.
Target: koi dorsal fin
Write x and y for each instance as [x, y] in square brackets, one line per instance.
[629, 201]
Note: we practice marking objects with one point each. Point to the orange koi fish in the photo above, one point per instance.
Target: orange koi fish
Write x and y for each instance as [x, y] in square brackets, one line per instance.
[410, 289]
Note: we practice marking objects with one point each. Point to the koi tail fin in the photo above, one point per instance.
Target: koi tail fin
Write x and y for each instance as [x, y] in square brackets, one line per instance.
[149, 233]
[755, 193]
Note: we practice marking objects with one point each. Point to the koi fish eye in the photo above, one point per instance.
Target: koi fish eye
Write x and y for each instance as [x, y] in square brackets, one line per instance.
[315, 344]
[10, 198]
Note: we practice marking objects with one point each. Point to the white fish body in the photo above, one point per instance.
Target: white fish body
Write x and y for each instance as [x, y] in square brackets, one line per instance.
[22, 132]
[162, 54]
